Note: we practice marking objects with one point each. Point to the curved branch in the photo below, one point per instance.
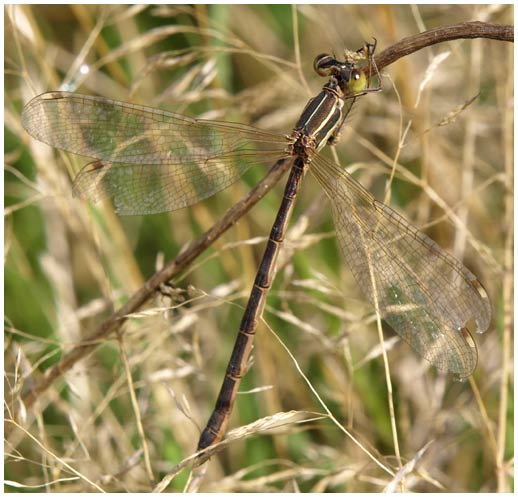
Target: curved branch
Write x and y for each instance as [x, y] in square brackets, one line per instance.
[143, 294]
[400, 49]
[463, 30]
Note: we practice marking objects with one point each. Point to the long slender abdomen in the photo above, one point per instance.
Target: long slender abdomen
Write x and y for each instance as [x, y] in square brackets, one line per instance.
[218, 421]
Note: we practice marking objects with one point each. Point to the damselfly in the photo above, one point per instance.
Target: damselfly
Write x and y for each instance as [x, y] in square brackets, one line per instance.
[150, 161]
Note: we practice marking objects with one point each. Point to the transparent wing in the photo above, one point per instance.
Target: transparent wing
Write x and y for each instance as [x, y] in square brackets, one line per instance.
[147, 160]
[427, 296]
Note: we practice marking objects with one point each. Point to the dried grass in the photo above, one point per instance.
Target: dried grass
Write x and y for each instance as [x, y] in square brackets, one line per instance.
[122, 419]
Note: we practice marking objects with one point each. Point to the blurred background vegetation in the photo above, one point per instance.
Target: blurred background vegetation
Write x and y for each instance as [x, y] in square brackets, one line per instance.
[69, 264]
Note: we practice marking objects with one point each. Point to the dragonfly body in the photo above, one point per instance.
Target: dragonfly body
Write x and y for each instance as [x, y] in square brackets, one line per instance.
[148, 161]
[319, 121]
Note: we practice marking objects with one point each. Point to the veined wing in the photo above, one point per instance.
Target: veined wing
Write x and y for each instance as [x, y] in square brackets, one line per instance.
[426, 295]
[147, 160]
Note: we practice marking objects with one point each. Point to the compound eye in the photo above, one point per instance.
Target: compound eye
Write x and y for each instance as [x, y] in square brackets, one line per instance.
[357, 81]
[324, 64]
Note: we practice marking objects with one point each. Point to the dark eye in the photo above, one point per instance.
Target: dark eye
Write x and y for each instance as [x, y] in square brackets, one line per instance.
[324, 64]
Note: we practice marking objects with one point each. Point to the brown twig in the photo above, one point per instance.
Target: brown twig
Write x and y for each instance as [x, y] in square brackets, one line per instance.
[139, 298]
[463, 30]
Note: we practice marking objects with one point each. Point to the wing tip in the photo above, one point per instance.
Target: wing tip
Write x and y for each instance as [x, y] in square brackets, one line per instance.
[484, 312]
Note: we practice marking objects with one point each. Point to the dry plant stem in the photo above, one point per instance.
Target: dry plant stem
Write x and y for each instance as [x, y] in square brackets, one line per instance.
[387, 57]
[483, 413]
[136, 407]
[326, 408]
[412, 44]
[140, 297]
[51, 455]
[507, 299]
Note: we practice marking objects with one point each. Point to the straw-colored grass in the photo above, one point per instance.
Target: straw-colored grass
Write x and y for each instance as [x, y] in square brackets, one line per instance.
[313, 411]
